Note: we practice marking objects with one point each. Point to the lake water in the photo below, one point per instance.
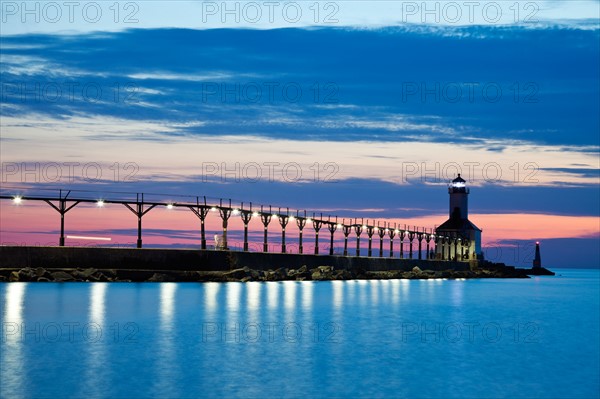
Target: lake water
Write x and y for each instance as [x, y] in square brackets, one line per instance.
[399, 338]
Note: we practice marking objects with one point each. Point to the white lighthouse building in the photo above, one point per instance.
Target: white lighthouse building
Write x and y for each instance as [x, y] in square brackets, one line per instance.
[458, 226]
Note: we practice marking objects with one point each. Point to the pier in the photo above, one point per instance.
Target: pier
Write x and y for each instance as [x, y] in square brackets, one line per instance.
[411, 241]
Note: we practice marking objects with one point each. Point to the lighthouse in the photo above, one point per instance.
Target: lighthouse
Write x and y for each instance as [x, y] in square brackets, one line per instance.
[537, 261]
[459, 227]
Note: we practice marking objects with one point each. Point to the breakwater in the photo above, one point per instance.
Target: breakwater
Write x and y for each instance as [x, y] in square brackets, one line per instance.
[200, 260]
[22, 263]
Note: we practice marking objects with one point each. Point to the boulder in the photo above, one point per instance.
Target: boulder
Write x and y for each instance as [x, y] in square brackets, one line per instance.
[417, 270]
[61, 277]
[325, 269]
[158, 278]
[88, 272]
[27, 274]
[40, 271]
[343, 275]
[322, 273]
[238, 274]
[270, 275]
[281, 273]
[317, 276]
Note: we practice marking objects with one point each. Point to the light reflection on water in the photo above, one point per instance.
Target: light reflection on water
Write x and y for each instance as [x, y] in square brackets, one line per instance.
[318, 339]
[13, 364]
[93, 334]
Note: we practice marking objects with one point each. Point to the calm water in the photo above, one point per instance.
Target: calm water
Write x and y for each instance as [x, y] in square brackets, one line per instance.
[471, 338]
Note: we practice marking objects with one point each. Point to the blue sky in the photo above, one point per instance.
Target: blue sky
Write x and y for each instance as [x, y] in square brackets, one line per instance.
[392, 107]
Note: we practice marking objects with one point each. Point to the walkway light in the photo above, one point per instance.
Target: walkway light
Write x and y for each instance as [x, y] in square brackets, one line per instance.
[364, 226]
[292, 218]
[339, 226]
[308, 220]
[254, 214]
[100, 203]
[236, 211]
[213, 209]
[169, 206]
[396, 231]
[274, 216]
[18, 199]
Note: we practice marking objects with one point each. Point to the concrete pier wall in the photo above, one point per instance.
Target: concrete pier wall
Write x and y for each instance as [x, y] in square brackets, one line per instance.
[199, 260]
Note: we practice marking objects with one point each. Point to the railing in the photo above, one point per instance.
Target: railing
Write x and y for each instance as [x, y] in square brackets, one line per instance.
[142, 203]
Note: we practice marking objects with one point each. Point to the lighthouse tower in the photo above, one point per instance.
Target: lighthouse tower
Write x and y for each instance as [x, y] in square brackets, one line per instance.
[459, 226]
[537, 261]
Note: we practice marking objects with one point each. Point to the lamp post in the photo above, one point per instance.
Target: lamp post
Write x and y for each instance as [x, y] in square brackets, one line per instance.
[402, 235]
[283, 221]
[358, 230]
[201, 211]
[392, 234]
[300, 222]
[139, 211]
[370, 232]
[332, 228]
[317, 226]
[266, 219]
[381, 235]
[346, 229]
[411, 237]
[62, 208]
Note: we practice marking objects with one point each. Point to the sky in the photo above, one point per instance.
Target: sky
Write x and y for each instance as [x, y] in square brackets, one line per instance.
[350, 109]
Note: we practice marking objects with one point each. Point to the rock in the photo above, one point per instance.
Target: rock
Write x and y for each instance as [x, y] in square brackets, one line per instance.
[317, 276]
[343, 275]
[322, 273]
[325, 269]
[14, 276]
[40, 271]
[281, 273]
[417, 270]
[246, 279]
[27, 274]
[158, 278]
[270, 275]
[302, 273]
[87, 272]
[238, 274]
[43, 279]
[61, 277]
[100, 277]
[397, 274]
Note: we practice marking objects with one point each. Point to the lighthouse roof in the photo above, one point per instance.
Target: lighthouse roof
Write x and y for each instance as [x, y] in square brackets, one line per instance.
[454, 224]
[459, 180]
